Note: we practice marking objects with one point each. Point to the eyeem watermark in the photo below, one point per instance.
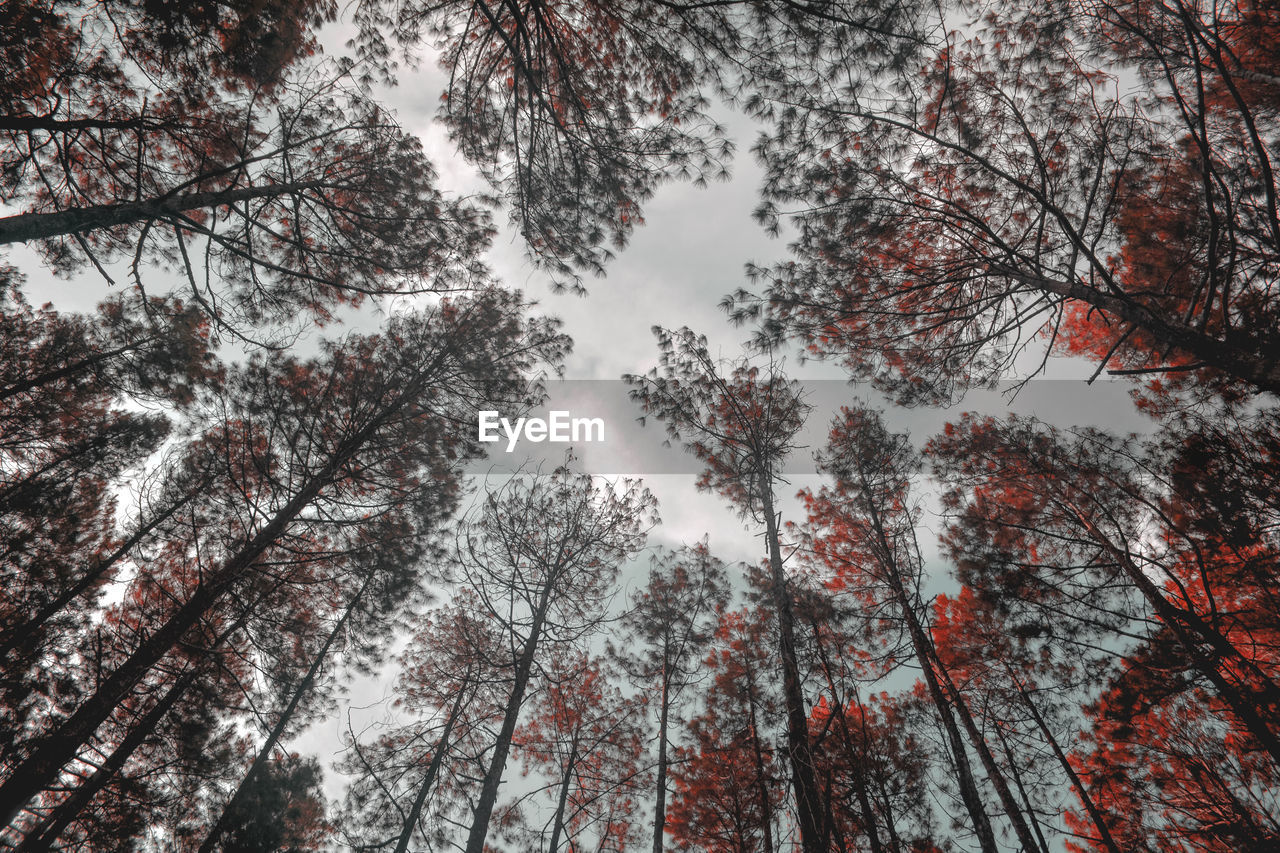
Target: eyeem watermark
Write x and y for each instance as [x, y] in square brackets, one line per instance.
[558, 427]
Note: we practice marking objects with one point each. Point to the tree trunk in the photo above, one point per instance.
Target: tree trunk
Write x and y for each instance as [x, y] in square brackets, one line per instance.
[1246, 363]
[48, 124]
[25, 227]
[1186, 627]
[64, 813]
[1012, 810]
[48, 831]
[1086, 800]
[1027, 808]
[433, 770]
[557, 826]
[68, 370]
[277, 731]
[493, 776]
[856, 767]
[922, 646]
[798, 751]
[660, 806]
[964, 773]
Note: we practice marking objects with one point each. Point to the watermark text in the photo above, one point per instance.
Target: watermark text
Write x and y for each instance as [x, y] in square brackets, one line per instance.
[558, 427]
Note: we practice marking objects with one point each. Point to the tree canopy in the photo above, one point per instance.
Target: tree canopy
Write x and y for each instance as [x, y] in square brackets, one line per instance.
[231, 527]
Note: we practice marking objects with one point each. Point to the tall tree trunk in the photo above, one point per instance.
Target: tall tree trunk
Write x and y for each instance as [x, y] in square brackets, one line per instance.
[964, 772]
[1104, 833]
[1016, 775]
[69, 370]
[798, 751]
[433, 770]
[557, 826]
[660, 806]
[43, 837]
[277, 731]
[55, 749]
[497, 764]
[890, 825]
[994, 774]
[25, 227]
[922, 647]
[856, 767]
[53, 825]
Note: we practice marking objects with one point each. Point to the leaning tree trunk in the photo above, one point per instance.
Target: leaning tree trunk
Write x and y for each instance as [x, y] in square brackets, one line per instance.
[12, 636]
[1191, 631]
[433, 770]
[493, 776]
[922, 647]
[286, 716]
[1012, 810]
[43, 836]
[1086, 799]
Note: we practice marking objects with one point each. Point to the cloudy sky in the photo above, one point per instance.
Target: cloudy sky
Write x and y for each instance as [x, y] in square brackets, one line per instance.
[689, 254]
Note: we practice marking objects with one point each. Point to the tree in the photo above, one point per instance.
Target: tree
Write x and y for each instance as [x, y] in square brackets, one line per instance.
[727, 784]
[877, 778]
[379, 593]
[1165, 776]
[410, 779]
[281, 810]
[1029, 690]
[869, 756]
[57, 49]
[540, 562]
[66, 439]
[862, 529]
[201, 142]
[586, 739]
[1044, 514]
[741, 428]
[1001, 184]
[668, 626]
[311, 458]
[574, 112]
[310, 201]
